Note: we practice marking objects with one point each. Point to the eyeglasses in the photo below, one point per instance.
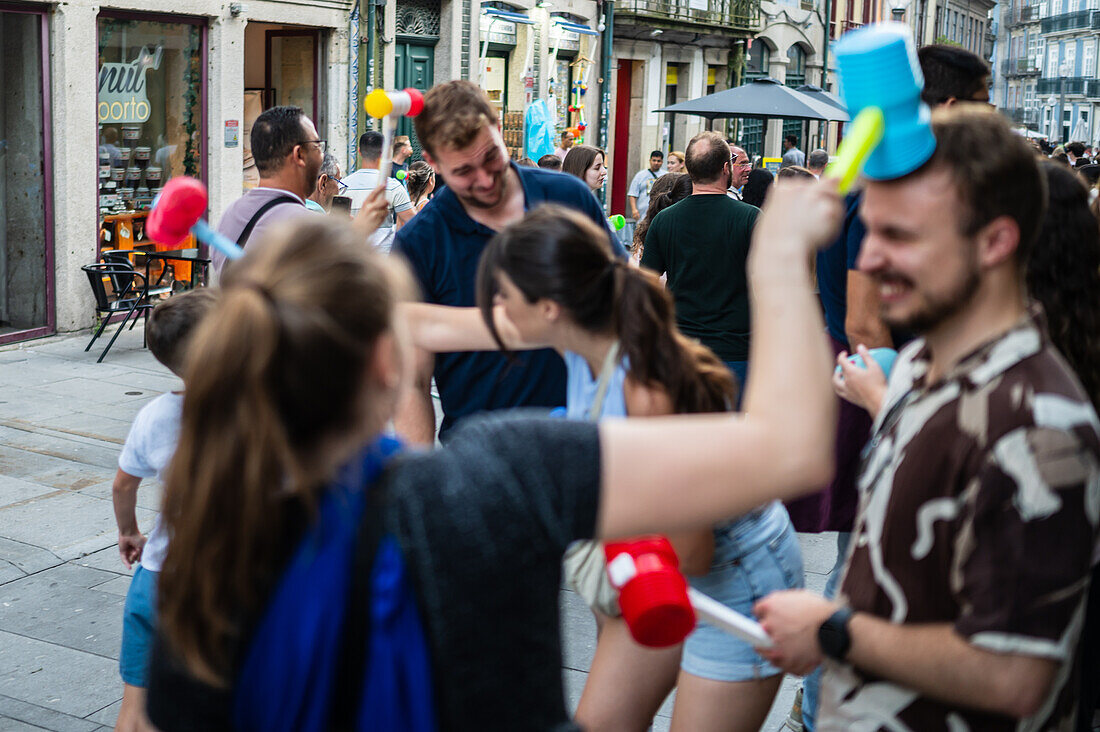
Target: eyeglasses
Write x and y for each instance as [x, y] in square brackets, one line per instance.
[341, 185]
[318, 143]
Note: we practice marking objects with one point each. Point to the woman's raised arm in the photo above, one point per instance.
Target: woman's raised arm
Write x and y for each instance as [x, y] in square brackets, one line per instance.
[680, 472]
[443, 329]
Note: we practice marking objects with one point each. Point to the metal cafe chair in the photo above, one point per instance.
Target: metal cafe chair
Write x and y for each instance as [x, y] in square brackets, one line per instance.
[129, 295]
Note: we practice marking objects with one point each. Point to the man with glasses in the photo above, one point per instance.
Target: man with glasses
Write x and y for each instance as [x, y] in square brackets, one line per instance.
[328, 186]
[739, 173]
[288, 155]
[363, 181]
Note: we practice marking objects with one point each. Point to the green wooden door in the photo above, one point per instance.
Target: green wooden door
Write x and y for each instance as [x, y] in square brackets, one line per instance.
[413, 67]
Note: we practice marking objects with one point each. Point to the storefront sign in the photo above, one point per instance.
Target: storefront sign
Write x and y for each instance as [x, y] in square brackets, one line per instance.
[495, 30]
[123, 98]
[565, 40]
[232, 132]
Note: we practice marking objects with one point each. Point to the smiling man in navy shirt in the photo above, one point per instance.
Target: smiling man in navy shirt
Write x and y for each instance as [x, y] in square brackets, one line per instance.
[459, 132]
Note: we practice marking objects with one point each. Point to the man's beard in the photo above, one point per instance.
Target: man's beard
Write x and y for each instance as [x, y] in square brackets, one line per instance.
[473, 201]
[936, 311]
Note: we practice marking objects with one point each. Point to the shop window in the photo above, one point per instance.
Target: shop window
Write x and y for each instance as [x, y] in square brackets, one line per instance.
[282, 66]
[291, 70]
[25, 225]
[151, 126]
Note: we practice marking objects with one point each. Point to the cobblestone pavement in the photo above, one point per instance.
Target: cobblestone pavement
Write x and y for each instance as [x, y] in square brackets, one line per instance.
[63, 419]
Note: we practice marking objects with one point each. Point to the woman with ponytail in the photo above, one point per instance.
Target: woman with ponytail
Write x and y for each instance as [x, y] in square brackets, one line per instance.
[552, 281]
[667, 190]
[421, 184]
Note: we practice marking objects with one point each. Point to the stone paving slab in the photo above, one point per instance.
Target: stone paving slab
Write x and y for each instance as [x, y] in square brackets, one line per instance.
[62, 584]
[66, 523]
[55, 677]
[63, 606]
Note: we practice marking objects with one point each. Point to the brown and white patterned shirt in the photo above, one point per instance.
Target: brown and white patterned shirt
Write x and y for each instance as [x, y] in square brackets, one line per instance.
[979, 505]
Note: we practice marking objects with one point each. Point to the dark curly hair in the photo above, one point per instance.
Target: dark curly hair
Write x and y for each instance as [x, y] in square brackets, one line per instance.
[1063, 273]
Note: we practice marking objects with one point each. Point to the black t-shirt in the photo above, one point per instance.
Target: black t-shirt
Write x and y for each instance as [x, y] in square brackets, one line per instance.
[483, 523]
[702, 242]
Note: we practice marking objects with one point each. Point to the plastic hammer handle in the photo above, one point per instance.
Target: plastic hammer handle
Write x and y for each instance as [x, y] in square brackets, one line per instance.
[204, 233]
[389, 126]
[730, 621]
[865, 135]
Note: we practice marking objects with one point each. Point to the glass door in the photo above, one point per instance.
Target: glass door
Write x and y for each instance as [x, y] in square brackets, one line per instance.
[26, 206]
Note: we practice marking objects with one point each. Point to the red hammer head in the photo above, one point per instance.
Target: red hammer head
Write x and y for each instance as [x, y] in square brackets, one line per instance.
[178, 207]
[652, 592]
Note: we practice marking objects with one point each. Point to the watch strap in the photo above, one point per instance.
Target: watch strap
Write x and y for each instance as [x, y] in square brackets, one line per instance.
[833, 635]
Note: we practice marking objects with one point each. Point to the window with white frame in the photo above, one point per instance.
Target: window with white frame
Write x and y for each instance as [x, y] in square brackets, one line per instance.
[1052, 61]
[1071, 58]
[1088, 59]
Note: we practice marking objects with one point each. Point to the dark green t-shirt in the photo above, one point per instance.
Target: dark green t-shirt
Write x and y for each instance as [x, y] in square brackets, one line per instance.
[702, 243]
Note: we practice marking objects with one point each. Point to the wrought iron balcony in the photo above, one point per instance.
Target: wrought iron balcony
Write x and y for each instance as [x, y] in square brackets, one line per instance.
[1092, 89]
[1022, 115]
[1072, 85]
[1016, 16]
[1020, 67]
[1080, 20]
[733, 15]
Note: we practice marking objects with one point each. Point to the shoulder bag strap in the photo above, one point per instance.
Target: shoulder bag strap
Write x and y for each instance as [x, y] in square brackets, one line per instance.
[608, 368]
[353, 660]
[247, 232]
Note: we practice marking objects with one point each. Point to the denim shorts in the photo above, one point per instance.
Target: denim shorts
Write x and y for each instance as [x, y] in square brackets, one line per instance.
[754, 555]
[138, 624]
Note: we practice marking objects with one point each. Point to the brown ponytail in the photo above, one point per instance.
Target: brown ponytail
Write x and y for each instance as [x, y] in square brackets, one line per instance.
[274, 375]
[660, 355]
[559, 254]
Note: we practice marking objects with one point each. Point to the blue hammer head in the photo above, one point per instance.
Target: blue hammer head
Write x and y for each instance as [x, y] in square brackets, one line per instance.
[879, 68]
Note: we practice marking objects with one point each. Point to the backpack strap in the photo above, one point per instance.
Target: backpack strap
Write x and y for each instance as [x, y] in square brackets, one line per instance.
[247, 231]
[353, 659]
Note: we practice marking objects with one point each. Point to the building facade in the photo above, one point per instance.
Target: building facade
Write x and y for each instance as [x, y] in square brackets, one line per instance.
[790, 49]
[965, 24]
[1048, 77]
[1019, 62]
[518, 51]
[664, 53]
[100, 104]
[1068, 90]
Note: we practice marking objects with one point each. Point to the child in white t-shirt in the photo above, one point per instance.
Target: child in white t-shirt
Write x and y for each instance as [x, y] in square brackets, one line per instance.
[148, 450]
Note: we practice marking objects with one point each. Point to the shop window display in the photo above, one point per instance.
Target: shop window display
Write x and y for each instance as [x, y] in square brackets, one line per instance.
[150, 119]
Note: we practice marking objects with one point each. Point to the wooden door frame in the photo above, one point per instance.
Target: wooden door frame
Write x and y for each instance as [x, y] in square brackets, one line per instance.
[303, 32]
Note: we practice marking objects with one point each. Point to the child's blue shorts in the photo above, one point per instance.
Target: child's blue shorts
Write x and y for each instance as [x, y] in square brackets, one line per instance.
[138, 624]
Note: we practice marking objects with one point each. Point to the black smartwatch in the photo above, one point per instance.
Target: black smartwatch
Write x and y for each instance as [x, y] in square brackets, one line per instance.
[833, 634]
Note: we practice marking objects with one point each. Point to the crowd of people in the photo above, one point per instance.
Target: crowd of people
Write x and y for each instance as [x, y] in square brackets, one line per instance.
[326, 560]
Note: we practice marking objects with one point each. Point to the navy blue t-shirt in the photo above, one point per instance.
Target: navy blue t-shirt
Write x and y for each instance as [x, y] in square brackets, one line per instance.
[833, 264]
[443, 246]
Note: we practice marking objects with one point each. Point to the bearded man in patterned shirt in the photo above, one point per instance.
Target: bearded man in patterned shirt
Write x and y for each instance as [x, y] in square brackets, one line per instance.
[964, 591]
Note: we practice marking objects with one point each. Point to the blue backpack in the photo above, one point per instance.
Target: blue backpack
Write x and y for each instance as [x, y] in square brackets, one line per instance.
[340, 645]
